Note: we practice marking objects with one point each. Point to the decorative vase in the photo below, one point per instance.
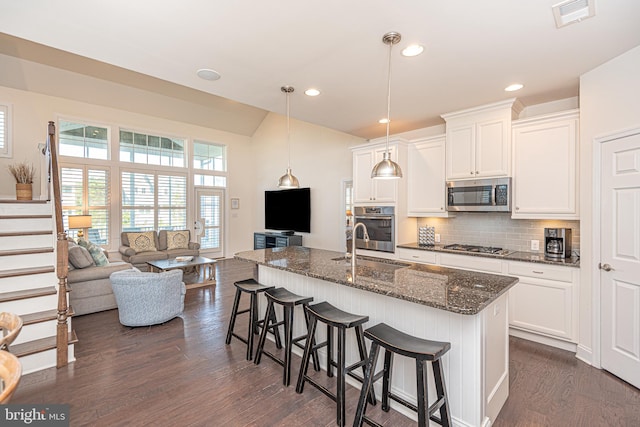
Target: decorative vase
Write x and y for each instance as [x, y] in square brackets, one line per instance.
[24, 191]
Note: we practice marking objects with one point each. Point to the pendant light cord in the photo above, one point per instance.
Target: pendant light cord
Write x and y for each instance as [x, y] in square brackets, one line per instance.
[288, 135]
[389, 96]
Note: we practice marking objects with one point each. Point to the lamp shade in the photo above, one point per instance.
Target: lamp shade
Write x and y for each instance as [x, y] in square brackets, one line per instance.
[288, 180]
[386, 169]
[79, 221]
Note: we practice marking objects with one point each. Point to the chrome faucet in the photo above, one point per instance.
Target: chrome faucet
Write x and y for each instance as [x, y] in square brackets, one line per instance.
[353, 247]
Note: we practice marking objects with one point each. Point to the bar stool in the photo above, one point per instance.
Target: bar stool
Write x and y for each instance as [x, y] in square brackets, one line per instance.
[253, 288]
[334, 318]
[288, 301]
[394, 341]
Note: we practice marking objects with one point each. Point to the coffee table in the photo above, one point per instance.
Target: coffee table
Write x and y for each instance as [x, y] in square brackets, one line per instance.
[205, 270]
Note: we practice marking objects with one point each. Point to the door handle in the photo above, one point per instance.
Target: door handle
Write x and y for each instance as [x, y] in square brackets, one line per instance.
[605, 267]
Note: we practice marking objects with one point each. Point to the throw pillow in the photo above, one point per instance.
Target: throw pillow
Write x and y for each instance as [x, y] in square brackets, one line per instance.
[178, 239]
[142, 242]
[80, 257]
[95, 251]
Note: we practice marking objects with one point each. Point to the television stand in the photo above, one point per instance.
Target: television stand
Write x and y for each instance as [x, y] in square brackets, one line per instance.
[275, 240]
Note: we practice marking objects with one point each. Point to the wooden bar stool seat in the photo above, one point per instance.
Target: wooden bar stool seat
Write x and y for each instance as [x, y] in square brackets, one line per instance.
[422, 350]
[288, 301]
[341, 320]
[253, 288]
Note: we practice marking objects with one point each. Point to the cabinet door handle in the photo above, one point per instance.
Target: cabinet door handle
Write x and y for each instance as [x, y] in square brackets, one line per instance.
[517, 208]
[538, 272]
[477, 172]
[471, 172]
[441, 208]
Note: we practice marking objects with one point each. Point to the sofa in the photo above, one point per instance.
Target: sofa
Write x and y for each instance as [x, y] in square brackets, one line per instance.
[90, 284]
[146, 299]
[139, 247]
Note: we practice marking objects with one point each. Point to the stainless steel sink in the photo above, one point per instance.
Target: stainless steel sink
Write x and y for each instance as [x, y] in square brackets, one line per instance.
[369, 264]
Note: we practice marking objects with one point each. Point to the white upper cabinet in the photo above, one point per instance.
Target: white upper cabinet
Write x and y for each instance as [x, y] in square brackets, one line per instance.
[479, 141]
[374, 191]
[545, 167]
[426, 178]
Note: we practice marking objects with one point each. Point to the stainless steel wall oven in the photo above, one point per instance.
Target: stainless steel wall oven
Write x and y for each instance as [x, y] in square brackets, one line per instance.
[380, 223]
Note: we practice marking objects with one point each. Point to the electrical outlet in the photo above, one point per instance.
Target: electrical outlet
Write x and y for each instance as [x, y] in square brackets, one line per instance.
[437, 238]
[535, 245]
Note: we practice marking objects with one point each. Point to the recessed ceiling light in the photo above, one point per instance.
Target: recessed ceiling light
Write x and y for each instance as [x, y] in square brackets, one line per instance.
[514, 87]
[312, 92]
[412, 50]
[384, 121]
[208, 74]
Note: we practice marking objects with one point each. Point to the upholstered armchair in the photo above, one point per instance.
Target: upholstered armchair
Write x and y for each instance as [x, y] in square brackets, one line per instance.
[148, 298]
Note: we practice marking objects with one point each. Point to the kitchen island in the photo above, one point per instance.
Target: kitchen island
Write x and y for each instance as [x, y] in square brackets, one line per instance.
[467, 309]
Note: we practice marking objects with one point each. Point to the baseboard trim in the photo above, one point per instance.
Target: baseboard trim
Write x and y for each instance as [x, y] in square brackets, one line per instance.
[585, 354]
[542, 339]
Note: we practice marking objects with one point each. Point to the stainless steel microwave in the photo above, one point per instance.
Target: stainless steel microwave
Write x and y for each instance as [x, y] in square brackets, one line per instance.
[479, 195]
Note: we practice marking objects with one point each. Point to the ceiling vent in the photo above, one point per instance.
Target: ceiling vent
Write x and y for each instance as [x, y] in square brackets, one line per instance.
[571, 11]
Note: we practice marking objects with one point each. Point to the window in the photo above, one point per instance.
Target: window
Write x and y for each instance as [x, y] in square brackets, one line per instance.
[5, 131]
[85, 191]
[209, 180]
[80, 140]
[151, 149]
[209, 156]
[153, 201]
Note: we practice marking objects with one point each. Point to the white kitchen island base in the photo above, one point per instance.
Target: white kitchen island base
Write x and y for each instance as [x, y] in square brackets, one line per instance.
[476, 369]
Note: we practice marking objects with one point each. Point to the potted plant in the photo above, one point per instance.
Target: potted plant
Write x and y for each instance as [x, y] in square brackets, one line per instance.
[23, 174]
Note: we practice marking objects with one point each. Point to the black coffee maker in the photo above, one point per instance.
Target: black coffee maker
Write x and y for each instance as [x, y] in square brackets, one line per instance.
[557, 243]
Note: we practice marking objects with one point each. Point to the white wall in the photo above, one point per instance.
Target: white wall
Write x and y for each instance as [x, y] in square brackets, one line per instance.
[609, 102]
[320, 159]
[32, 111]
[254, 162]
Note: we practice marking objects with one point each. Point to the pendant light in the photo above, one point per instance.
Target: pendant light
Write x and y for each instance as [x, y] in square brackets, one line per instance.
[288, 180]
[387, 168]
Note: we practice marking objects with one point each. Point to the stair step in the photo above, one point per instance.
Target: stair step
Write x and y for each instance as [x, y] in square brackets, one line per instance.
[34, 202]
[42, 316]
[25, 216]
[26, 251]
[27, 271]
[37, 346]
[29, 293]
[25, 233]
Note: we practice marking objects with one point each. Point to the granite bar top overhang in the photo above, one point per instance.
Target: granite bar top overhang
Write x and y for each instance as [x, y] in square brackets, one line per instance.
[449, 289]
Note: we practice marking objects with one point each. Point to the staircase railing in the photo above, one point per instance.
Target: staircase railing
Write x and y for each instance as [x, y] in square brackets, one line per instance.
[62, 260]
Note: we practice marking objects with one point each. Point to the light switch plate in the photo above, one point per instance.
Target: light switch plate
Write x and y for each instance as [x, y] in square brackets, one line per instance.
[437, 238]
[535, 245]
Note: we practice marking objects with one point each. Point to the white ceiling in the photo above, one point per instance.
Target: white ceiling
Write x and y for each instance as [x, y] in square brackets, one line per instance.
[473, 49]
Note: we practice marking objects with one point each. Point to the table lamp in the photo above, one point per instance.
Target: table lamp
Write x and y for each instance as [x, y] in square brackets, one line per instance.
[79, 222]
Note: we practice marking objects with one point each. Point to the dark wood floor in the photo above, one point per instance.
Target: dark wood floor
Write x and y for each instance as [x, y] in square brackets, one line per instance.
[182, 373]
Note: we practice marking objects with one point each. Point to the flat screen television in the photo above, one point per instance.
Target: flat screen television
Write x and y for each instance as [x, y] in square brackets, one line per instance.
[288, 210]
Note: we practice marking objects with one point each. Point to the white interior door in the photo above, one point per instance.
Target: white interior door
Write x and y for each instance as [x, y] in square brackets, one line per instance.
[209, 223]
[620, 258]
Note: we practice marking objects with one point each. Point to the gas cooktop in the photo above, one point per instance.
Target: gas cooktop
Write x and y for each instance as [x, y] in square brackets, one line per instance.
[478, 249]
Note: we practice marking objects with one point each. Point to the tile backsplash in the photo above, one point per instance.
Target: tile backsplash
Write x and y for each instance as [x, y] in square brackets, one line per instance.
[498, 230]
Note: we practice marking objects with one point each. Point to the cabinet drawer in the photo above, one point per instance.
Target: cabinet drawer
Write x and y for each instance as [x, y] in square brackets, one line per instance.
[541, 271]
[417, 255]
[469, 262]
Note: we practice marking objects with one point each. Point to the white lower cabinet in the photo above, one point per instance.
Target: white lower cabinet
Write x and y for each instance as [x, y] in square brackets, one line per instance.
[543, 305]
[545, 300]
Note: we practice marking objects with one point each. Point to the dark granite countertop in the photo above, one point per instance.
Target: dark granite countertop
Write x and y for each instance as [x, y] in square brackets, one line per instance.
[513, 256]
[450, 289]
